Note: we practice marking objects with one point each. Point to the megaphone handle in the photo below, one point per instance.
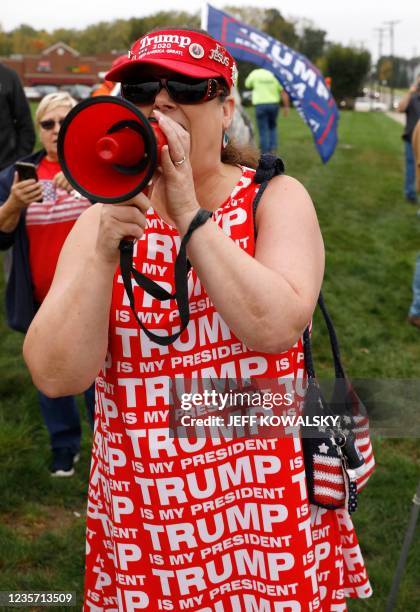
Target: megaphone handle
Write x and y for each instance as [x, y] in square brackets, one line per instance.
[155, 290]
[127, 244]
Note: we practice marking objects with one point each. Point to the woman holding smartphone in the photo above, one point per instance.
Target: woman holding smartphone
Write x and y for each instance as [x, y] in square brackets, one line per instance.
[38, 208]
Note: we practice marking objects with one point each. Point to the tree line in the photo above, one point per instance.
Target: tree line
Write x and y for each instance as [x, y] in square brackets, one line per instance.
[348, 67]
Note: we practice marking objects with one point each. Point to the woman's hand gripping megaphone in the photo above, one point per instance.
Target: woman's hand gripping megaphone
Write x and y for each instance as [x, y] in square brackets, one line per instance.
[109, 152]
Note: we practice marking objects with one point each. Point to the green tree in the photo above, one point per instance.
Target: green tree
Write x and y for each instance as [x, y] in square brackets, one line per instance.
[68, 36]
[348, 68]
[250, 15]
[270, 21]
[396, 71]
[141, 25]
[5, 42]
[104, 36]
[312, 43]
[22, 39]
[279, 28]
[400, 71]
[385, 70]
[101, 37]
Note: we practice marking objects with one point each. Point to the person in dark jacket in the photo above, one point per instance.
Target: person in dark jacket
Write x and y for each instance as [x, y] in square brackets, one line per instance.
[17, 134]
[410, 105]
[36, 232]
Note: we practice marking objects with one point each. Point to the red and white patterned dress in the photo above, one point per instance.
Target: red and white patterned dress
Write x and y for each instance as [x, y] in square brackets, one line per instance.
[205, 523]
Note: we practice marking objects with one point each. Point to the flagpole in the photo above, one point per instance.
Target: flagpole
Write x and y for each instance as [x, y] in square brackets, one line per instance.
[204, 15]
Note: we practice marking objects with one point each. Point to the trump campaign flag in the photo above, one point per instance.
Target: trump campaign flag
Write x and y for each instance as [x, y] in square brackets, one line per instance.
[302, 81]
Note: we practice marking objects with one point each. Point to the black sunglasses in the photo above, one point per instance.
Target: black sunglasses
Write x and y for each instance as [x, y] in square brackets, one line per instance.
[181, 90]
[49, 124]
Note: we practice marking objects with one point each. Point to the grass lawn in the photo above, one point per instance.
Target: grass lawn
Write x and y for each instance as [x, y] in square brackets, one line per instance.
[371, 236]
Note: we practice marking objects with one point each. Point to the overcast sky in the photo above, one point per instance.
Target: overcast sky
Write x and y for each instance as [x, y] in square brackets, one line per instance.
[348, 22]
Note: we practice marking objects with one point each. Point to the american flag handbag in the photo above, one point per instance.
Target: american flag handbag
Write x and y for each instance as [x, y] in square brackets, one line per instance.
[338, 458]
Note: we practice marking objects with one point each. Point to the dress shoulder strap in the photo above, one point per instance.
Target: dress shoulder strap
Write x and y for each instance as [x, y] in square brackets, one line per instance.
[268, 166]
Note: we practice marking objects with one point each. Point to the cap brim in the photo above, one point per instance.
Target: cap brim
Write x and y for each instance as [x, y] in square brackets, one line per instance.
[133, 68]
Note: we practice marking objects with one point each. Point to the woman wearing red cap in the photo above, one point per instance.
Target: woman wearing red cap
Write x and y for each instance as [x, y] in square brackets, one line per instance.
[218, 521]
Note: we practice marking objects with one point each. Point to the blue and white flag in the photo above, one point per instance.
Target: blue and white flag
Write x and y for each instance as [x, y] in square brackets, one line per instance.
[302, 81]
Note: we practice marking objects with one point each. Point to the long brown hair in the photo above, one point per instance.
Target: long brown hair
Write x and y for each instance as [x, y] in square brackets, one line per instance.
[240, 154]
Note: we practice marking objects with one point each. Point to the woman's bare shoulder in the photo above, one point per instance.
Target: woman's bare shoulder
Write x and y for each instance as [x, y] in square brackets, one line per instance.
[285, 184]
[285, 193]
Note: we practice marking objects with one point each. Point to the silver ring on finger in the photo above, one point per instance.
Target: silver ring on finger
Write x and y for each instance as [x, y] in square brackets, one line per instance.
[180, 162]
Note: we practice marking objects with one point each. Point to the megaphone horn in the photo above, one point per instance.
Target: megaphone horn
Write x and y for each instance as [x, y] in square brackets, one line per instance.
[108, 150]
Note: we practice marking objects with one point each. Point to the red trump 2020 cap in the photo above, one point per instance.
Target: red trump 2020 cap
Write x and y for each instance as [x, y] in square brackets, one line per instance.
[189, 53]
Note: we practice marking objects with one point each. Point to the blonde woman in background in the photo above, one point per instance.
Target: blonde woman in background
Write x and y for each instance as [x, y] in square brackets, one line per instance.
[35, 231]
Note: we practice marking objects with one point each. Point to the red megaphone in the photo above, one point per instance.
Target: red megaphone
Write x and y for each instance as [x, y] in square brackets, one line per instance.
[108, 150]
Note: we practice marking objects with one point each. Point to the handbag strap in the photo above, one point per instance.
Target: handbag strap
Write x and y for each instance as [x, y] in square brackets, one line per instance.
[307, 352]
[307, 344]
[338, 366]
[268, 167]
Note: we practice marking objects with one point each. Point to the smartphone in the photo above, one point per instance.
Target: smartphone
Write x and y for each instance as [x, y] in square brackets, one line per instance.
[27, 171]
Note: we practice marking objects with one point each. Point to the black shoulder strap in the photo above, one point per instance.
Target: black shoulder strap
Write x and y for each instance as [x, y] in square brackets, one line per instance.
[270, 166]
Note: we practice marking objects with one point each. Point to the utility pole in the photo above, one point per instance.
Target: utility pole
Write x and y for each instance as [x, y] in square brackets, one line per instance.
[391, 25]
[381, 32]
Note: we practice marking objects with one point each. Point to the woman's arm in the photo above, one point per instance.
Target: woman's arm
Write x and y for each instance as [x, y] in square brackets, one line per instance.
[22, 193]
[405, 100]
[9, 217]
[286, 102]
[266, 301]
[66, 344]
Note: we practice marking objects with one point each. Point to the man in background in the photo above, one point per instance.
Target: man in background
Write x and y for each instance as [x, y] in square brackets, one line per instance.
[410, 105]
[267, 93]
[17, 134]
[109, 88]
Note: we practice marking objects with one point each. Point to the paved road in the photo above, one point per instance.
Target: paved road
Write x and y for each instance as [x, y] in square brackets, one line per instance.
[400, 117]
